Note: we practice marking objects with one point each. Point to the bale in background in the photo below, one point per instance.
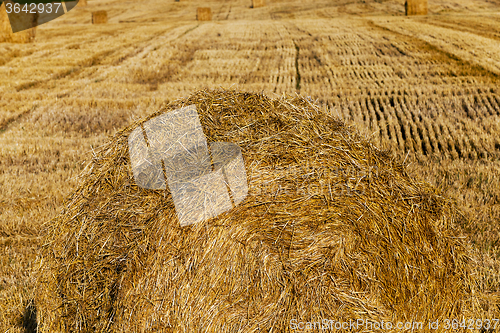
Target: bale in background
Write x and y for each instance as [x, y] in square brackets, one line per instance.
[258, 3]
[25, 36]
[99, 17]
[204, 14]
[415, 7]
[82, 3]
[332, 228]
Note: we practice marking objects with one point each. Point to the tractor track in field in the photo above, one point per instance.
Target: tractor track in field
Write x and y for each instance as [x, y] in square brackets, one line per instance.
[95, 60]
[465, 28]
[100, 58]
[4, 125]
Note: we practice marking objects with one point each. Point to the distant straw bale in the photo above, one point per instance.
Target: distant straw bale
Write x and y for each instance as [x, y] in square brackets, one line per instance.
[415, 7]
[99, 17]
[25, 36]
[82, 3]
[204, 14]
[332, 227]
[258, 3]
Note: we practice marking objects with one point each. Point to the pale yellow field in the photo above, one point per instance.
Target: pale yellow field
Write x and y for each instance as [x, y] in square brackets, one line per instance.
[428, 88]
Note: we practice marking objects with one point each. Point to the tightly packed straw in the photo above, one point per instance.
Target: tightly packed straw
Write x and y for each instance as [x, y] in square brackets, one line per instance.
[25, 36]
[332, 228]
[82, 3]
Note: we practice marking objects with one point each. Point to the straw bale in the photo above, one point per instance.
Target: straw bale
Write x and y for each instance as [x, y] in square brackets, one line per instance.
[204, 14]
[332, 227]
[99, 17]
[415, 7]
[82, 3]
[258, 3]
[25, 36]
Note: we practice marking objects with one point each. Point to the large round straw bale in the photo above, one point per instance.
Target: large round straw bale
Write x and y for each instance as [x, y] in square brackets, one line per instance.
[24, 36]
[258, 3]
[99, 17]
[415, 7]
[82, 3]
[204, 14]
[332, 228]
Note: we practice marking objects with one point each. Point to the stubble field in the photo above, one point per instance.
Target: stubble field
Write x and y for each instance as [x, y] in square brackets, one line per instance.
[427, 88]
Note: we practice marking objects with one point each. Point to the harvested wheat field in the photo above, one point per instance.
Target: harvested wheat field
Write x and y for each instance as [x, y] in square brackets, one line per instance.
[370, 143]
